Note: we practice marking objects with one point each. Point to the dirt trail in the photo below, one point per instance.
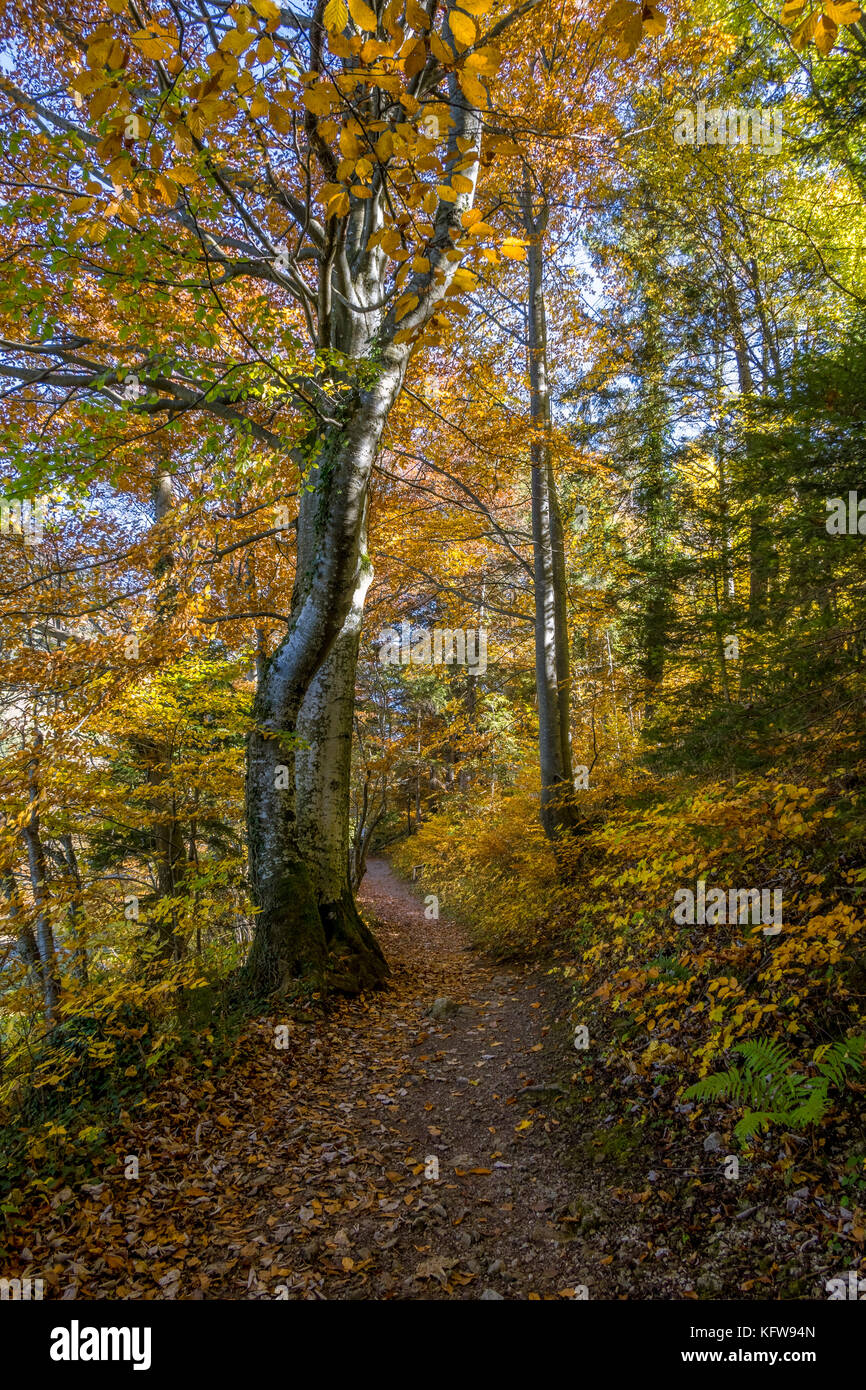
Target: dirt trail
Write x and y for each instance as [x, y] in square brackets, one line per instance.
[472, 1100]
[308, 1171]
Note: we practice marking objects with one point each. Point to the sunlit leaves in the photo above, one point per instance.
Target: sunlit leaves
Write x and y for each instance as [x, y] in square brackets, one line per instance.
[819, 26]
[845, 13]
[364, 18]
[154, 42]
[462, 28]
[336, 16]
[472, 89]
[514, 249]
[627, 22]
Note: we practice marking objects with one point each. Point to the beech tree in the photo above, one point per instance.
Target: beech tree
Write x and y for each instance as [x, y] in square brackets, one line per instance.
[271, 210]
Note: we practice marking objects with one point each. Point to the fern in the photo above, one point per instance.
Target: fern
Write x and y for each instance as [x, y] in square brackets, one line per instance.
[773, 1089]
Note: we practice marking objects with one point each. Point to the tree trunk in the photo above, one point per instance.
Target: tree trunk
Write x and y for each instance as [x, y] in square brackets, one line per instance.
[323, 767]
[291, 937]
[291, 934]
[552, 664]
[27, 947]
[50, 974]
[74, 913]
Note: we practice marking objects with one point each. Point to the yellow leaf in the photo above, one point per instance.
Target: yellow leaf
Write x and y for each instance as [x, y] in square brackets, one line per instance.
[803, 33]
[440, 50]
[385, 146]
[317, 100]
[524, 1124]
[466, 280]
[484, 60]
[183, 174]
[101, 101]
[258, 106]
[266, 8]
[235, 42]
[363, 16]
[620, 11]
[473, 90]
[350, 145]
[391, 241]
[405, 304]
[338, 205]
[462, 28]
[630, 37]
[513, 249]
[826, 34]
[167, 190]
[80, 204]
[153, 43]
[846, 12]
[477, 6]
[446, 193]
[336, 16]
[417, 17]
[265, 49]
[97, 53]
[653, 22]
[415, 57]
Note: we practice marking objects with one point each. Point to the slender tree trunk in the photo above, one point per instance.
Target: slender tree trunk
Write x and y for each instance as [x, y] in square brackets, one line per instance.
[365, 824]
[79, 949]
[27, 947]
[168, 836]
[552, 659]
[44, 934]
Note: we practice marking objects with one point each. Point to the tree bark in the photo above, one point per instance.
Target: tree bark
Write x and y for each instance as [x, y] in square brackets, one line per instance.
[323, 768]
[73, 912]
[552, 658]
[291, 939]
[31, 833]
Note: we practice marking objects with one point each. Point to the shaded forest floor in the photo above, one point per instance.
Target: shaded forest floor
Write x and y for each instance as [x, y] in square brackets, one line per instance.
[304, 1172]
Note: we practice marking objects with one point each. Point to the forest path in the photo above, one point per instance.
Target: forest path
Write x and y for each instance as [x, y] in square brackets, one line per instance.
[299, 1171]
